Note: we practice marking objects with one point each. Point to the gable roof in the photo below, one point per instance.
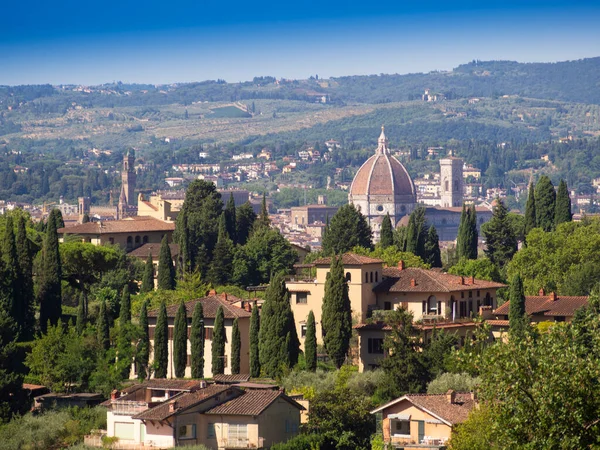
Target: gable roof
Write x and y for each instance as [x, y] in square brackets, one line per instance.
[413, 279]
[251, 403]
[210, 305]
[349, 259]
[547, 305]
[438, 406]
[138, 224]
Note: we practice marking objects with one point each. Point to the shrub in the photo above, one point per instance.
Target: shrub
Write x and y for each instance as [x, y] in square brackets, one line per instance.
[461, 382]
[301, 442]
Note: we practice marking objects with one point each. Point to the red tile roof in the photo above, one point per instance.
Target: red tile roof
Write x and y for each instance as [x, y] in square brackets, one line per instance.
[412, 279]
[228, 379]
[139, 224]
[547, 305]
[349, 259]
[382, 174]
[210, 306]
[251, 403]
[153, 249]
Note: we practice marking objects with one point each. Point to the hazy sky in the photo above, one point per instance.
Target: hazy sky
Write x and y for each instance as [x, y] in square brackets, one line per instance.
[44, 41]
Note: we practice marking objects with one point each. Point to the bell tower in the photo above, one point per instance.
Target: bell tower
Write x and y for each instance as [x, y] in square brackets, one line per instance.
[451, 179]
[128, 177]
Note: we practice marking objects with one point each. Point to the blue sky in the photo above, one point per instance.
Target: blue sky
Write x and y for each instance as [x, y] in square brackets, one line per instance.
[177, 41]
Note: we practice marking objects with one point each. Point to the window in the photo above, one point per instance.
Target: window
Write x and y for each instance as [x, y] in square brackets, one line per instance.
[291, 426]
[401, 427]
[348, 277]
[462, 295]
[210, 431]
[387, 306]
[376, 277]
[129, 242]
[379, 208]
[432, 305]
[145, 239]
[208, 334]
[302, 298]
[124, 430]
[188, 361]
[187, 431]
[111, 240]
[302, 330]
[478, 293]
[375, 345]
[371, 277]
[151, 332]
[462, 309]
[237, 433]
[446, 186]
[137, 240]
[366, 277]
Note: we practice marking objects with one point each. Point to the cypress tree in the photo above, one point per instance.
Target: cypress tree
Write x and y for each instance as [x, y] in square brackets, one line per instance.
[545, 201]
[26, 277]
[56, 217]
[81, 316]
[124, 347]
[347, 229]
[50, 291]
[387, 235]
[180, 341]
[278, 340]
[221, 266]
[125, 307]
[142, 357]
[218, 343]
[236, 344]
[230, 219]
[336, 316]
[197, 341]
[517, 317]
[254, 346]
[166, 271]
[466, 240]
[12, 275]
[263, 218]
[103, 327]
[433, 255]
[473, 233]
[148, 277]
[562, 211]
[501, 242]
[245, 218]
[161, 343]
[310, 343]
[416, 233]
[530, 214]
[85, 218]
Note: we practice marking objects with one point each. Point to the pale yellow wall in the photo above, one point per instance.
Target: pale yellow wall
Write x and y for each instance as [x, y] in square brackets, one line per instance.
[160, 434]
[272, 422]
[434, 430]
[163, 209]
[153, 237]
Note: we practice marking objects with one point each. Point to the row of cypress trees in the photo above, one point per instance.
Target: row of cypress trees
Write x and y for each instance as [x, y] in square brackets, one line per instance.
[547, 208]
[417, 237]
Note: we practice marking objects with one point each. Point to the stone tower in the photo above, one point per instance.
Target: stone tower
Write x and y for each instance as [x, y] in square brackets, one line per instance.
[128, 177]
[451, 179]
[83, 207]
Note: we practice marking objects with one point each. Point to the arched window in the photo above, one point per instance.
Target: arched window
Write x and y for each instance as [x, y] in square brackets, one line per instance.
[446, 186]
[145, 239]
[432, 305]
[376, 277]
[348, 277]
[137, 240]
[487, 301]
[129, 242]
[456, 185]
[366, 277]
[371, 277]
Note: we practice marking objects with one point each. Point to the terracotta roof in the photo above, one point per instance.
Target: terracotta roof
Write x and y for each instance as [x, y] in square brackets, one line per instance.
[548, 305]
[160, 383]
[252, 403]
[153, 249]
[150, 205]
[181, 402]
[498, 323]
[373, 326]
[439, 406]
[227, 379]
[210, 306]
[349, 259]
[130, 225]
[412, 279]
[382, 174]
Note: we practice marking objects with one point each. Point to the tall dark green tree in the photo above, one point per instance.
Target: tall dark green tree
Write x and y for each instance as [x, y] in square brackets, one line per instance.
[27, 321]
[126, 335]
[222, 264]
[148, 277]
[218, 343]
[416, 233]
[50, 291]
[230, 219]
[545, 202]
[185, 257]
[245, 218]
[180, 341]
[56, 217]
[81, 315]
[254, 345]
[103, 327]
[310, 343]
[501, 242]
[197, 341]
[278, 340]
[466, 240]
[433, 255]
[142, 356]
[236, 346]
[161, 343]
[11, 379]
[263, 219]
[166, 271]
[562, 212]
[12, 276]
[387, 232]
[530, 214]
[336, 317]
[518, 321]
[347, 229]
[125, 307]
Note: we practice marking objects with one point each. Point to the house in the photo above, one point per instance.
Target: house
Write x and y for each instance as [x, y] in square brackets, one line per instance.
[423, 420]
[168, 413]
[210, 304]
[146, 250]
[309, 214]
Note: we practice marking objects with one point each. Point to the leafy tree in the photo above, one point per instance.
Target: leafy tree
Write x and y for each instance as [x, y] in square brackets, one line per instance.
[400, 235]
[347, 228]
[530, 212]
[416, 233]
[125, 309]
[387, 235]
[562, 211]
[459, 382]
[56, 217]
[148, 278]
[84, 264]
[475, 433]
[11, 381]
[263, 219]
[336, 317]
[221, 265]
[218, 343]
[278, 340]
[166, 271]
[481, 269]
[501, 242]
[245, 218]
[197, 341]
[545, 201]
[142, 357]
[103, 327]
[437, 351]
[236, 344]
[391, 256]
[161, 343]
[517, 317]
[230, 219]
[50, 292]
[81, 315]
[433, 255]
[180, 341]
[254, 345]
[310, 343]
[24, 251]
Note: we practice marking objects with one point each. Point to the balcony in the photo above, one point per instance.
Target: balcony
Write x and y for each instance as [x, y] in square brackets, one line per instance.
[238, 443]
[128, 407]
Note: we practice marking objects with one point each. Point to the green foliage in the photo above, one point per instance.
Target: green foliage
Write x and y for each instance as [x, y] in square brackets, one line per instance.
[310, 343]
[301, 442]
[230, 219]
[416, 233]
[517, 317]
[11, 381]
[125, 307]
[197, 341]
[254, 342]
[218, 343]
[436, 353]
[245, 218]
[49, 290]
[391, 256]
[236, 344]
[161, 349]
[103, 327]
[142, 355]
[530, 212]
[466, 240]
[475, 433]
[501, 242]
[562, 212]
[148, 279]
[347, 228]
[127, 334]
[166, 271]
[432, 248]
[545, 201]
[459, 382]
[481, 269]
[180, 341]
[24, 251]
[263, 219]
[278, 341]
[336, 319]
[84, 264]
[387, 234]
[222, 263]
[81, 315]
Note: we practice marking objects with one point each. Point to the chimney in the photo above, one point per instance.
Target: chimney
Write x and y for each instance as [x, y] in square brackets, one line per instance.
[462, 281]
[413, 282]
[202, 384]
[212, 292]
[451, 396]
[224, 296]
[115, 394]
[400, 265]
[472, 279]
[541, 293]
[552, 296]
[172, 406]
[248, 307]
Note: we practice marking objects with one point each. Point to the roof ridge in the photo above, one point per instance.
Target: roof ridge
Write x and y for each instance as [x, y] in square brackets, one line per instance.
[429, 273]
